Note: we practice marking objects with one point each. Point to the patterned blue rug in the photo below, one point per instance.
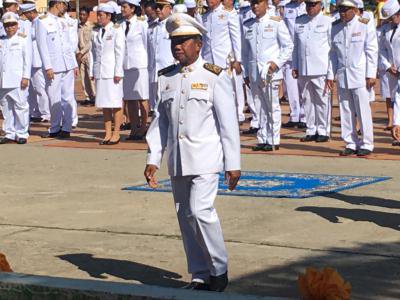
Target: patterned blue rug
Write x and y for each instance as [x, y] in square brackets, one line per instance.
[280, 185]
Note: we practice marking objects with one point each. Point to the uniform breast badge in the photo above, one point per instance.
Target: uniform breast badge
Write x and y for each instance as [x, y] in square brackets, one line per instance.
[199, 86]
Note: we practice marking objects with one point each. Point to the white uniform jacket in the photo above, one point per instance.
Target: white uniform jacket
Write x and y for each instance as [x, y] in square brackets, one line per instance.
[135, 44]
[291, 11]
[264, 40]
[354, 53]
[36, 60]
[73, 31]
[15, 60]
[312, 43]
[389, 47]
[54, 44]
[223, 38]
[160, 55]
[107, 53]
[195, 121]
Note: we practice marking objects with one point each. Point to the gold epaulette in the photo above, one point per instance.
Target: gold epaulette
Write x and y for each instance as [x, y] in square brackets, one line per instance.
[42, 17]
[363, 20]
[22, 34]
[166, 70]
[141, 18]
[116, 25]
[212, 68]
[338, 21]
[276, 18]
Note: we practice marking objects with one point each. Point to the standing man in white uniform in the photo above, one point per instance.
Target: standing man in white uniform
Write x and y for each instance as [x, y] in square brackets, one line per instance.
[312, 43]
[292, 10]
[38, 99]
[15, 70]
[354, 59]
[160, 55]
[198, 127]
[222, 44]
[266, 48]
[59, 62]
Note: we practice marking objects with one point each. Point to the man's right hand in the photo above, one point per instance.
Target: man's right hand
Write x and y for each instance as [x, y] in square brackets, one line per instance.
[149, 174]
[392, 70]
[295, 74]
[50, 74]
[247, 81]
[328, 86]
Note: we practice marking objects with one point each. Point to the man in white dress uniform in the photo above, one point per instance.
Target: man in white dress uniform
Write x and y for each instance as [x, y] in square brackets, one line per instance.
[354, 59]
[199, 128]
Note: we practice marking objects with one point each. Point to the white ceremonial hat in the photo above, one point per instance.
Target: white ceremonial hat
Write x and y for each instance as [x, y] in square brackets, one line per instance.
[117, 8]
[104, 7]
[9, 17]
[390, 8]
[204, 3]
[179, 8]
[170, 2]
[190, 3]
[283, 2]
[348, 3]
[360, 4]
[10, 2]
[244, 3]
[180, 24]
[133, 2]
[25, 7]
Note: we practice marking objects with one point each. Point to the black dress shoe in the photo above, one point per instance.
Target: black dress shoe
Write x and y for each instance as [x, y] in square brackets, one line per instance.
[104, 142]
[219, 283]
[347, 152]
[322, 139]
[363, 152]
[5, 140]
[258, 147]
[269, 147]
[396, 143]
[309, 138]
[251, 130]
[125, 126]
[113, 143]
[51, 134]
[301, 125]
[36, 119]
[290, 124]
[21, 141]
[64, 135]
[194, 285]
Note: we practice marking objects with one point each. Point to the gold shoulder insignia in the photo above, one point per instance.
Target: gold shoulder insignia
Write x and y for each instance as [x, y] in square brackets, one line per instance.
[213, 68]
[363, 20]
[166, 70]
[276, 18]
[338, 21]
[116, 25]
[141, 18]
[22, 34]
[42, 17]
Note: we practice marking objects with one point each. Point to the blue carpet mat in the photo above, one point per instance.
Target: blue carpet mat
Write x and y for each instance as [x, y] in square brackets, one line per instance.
[280, 185]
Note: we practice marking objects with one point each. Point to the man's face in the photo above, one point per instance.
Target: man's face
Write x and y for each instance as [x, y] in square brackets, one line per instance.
[83, 16]
[275, 2]
[259, 7]
[313, 8]
[163, 11]
[150, 13]
[127, 11]
[62, 8]
[13, 7]
[395, 19]
[185, 49]
[347, 13]
[213, 3]
[30, 15]
[191, 11]
[11, 29]
[103, 18]
[228, 4]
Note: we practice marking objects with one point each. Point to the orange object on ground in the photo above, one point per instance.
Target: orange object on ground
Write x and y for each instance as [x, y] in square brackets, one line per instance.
[4, 265]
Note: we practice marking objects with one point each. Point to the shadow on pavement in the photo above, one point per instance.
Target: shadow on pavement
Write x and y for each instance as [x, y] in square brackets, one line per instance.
[362, 200]
[128, 270]
[372, 276]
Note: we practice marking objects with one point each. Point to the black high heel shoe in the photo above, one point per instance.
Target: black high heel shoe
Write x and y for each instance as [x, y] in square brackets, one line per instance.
[114, 143]
[104, 142]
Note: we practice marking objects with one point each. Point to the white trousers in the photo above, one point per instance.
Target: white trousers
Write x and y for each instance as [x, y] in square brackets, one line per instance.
[199, 223]
[153, 86]
[15, 108]
[292, 89]
[254, 107]
[61, 101]
[239, 95]
[317, 105]
[354, 105]
[270, 112]
[39, 103]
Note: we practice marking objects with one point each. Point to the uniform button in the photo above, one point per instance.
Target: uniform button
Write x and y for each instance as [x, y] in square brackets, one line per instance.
[181, 136]
[182, 107]
[181, 122]
[183, 92]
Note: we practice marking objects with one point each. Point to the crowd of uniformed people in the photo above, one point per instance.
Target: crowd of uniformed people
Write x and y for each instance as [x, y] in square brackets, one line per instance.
[298, 49]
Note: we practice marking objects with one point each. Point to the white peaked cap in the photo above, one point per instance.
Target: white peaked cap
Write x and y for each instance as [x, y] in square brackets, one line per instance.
[170, 2]
[179, 8]
[104, 7]
[180, 24]
[348, 3]
[117, 8]
[133, 2]
[244, 3]
[360, 4]
[10, 2]
[190, 3]
[390, 8]
[10, 17]
[25, 7]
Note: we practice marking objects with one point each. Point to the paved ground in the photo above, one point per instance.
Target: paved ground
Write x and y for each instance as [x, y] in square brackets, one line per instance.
[63, 213]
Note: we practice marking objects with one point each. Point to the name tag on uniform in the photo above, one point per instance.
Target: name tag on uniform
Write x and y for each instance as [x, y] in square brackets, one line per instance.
[108, 38]
[199, 86]
[321, 25]
[268, 28]
[356, 34]
[221, 17]
[290, 11]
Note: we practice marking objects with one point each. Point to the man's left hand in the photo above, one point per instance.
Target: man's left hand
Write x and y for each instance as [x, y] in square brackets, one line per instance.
[237, 67]
[272, 67]
[232, 178]
[117, 79]
[24, 83]
[370, 83]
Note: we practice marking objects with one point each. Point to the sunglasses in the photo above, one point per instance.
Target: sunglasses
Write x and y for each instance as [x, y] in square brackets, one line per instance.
[312, 4]
[344, 8]
[161, 6]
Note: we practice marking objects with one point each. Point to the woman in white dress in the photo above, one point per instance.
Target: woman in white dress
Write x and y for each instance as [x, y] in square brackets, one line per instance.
[107, 55]
[136, 76]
